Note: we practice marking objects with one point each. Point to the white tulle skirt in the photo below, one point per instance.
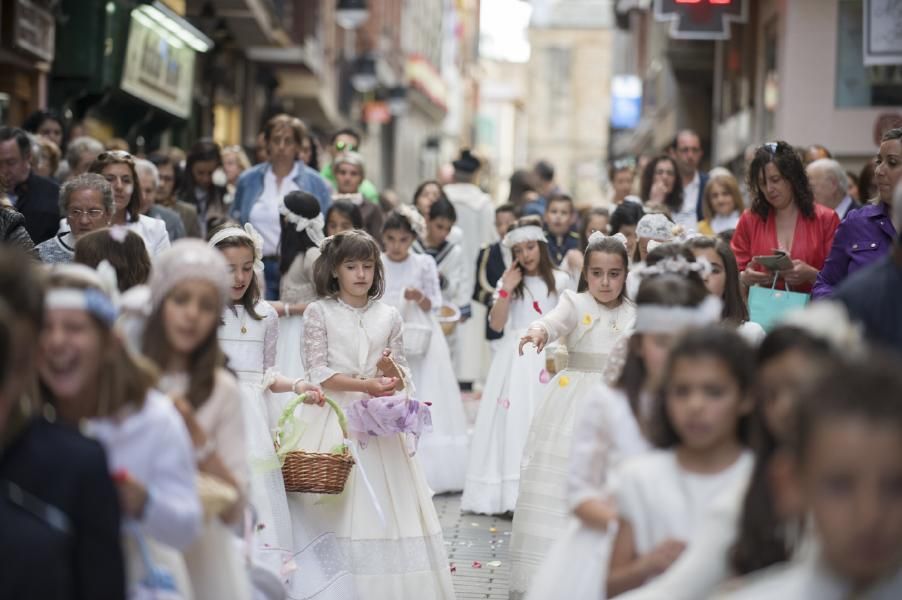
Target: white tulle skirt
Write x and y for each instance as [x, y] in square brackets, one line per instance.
[576, 567]
[442, 453]
[511, 394]
[289, 349]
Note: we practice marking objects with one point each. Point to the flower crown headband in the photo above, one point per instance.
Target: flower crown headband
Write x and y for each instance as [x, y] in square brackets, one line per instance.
[99, 301]
[248, 233]
[417, 222]
[530, 233]
[598, 237]
[659, 318]
[676, 266]
[312, 227]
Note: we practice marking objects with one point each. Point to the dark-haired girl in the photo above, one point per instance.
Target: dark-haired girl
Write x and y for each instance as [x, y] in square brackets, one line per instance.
[700, 427]
[722, 281]
[588, 325]
[385, 521]
[412, 286]
[529, 288]
[342, 216]
[302, 233]
[783, 217]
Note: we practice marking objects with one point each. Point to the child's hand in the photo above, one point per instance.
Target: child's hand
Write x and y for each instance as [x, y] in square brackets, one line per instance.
[132, 495]
[413, 294]
[380, 386]
[314, 395]
[662, 556]
[536, 337]
[512, 277]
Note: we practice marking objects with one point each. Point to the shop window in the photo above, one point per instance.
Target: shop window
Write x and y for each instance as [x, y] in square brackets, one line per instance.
[856, 84]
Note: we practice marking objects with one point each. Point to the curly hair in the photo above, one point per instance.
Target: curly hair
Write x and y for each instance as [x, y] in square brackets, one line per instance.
[791, 168]
[674, 200]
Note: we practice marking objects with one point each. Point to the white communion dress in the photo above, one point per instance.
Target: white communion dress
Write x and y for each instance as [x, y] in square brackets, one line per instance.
[310, 565]
[605, 433]
[296, 287]
[512, 391]
[443, 452]
[589, 331]
[384, 519]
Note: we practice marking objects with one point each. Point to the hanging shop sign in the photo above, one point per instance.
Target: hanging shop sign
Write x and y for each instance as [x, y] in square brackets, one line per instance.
[422, 76]
[376, 111]
[33, 30]
[159, 61]
[882, 25]
[701, 19]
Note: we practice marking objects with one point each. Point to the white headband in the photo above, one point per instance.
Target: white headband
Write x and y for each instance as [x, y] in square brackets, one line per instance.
[530, 233]
[248, 232]
[658, 318]
[676, 266]
[90, 300]
[312, 227]
[597, 237]
[417, 222]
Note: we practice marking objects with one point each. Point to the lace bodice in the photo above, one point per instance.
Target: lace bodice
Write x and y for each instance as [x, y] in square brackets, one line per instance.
[605, 433]
[252, 351]
[584, 324]
[522, 311]
[339, 338]
[416, 271]
[297, 283]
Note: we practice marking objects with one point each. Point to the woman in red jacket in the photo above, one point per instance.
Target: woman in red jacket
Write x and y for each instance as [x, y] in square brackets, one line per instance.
[783, 217]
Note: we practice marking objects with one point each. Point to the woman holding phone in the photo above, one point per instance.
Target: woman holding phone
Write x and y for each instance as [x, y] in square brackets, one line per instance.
[783, 217]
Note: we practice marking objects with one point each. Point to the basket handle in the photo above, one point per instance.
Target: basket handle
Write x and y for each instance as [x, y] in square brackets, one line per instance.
[288, 415]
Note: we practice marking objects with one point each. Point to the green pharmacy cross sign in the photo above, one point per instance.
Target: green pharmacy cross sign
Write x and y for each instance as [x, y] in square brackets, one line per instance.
[701, 19]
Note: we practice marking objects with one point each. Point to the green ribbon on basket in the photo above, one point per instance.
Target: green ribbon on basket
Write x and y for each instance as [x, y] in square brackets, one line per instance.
[288, 431]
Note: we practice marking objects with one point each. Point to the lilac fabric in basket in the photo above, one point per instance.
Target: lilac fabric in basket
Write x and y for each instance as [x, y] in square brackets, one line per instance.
[389, 415]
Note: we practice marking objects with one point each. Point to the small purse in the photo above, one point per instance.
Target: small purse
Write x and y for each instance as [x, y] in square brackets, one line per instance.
[768, 305]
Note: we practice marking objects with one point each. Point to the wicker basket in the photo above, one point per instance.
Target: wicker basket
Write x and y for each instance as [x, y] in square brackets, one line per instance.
[448, 316]
[316, 472]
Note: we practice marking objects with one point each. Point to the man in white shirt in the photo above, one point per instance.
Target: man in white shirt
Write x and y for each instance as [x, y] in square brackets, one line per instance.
[687, 151]
[830, 186]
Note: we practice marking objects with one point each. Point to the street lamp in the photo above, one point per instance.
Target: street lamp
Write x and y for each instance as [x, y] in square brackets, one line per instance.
[397, 100]
[363, 78]
[351, 14]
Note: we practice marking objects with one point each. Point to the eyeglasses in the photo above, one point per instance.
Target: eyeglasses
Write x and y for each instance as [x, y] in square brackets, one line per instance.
[91, 213]
[345, 147]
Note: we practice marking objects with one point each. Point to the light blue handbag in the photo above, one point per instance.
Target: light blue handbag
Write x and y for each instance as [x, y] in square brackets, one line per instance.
[768, 305]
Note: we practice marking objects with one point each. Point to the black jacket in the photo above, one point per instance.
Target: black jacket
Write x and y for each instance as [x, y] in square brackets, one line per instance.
[60, 517]
[38, 200]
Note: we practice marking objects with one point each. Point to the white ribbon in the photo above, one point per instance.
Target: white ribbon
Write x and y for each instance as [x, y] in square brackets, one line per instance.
[417, 222]
[530, 233]
[312, 227]
[248, 232]
[352, 445]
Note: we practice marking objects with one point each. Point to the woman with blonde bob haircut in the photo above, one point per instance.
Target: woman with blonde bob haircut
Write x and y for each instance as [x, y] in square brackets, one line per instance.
[94, 382]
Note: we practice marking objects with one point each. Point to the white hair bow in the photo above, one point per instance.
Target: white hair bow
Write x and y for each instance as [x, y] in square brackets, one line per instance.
[312, 227]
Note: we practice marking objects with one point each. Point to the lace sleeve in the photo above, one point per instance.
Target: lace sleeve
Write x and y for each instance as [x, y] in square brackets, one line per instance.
[316, 345]
[587, 475]
[561, 320]
[270, 337]
[430, 283]
[396, 345]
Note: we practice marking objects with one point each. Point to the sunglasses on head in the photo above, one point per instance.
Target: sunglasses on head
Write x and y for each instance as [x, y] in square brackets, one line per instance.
[115, 155]
[771, 147]
[345, 147]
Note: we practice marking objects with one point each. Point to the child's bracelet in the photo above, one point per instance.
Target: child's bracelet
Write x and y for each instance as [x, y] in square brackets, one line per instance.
[294, 384]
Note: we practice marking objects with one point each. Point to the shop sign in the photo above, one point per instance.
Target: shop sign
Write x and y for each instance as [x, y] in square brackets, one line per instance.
[626, 101]
[159, 67]
[882, 27]
[701, 19]
[424, 77]
[33, 29]
[376, 111]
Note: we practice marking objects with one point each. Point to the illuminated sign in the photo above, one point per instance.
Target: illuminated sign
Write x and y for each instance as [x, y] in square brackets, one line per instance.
[701, 19]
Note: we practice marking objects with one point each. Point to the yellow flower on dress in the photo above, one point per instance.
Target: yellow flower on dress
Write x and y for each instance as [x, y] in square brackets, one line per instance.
[564, 381]
[587, 319]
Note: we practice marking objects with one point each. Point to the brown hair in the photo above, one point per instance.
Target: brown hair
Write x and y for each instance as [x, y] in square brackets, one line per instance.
[729, 183]
[129, 257]
[608, 245]
[125, 377]
[674, 199]
[252, 294]
[546, 267]
[734, 307]
[203, 362]
[297, 127]
[355, 244]
[120, 157]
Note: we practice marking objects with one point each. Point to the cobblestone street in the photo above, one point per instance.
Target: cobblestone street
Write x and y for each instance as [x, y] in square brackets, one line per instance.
[477, 548]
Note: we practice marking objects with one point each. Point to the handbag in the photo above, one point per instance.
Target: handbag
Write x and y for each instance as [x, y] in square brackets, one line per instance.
[417, 332]
[768, 305]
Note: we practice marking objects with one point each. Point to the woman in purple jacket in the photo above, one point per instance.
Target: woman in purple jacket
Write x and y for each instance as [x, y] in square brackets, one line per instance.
[867, 234]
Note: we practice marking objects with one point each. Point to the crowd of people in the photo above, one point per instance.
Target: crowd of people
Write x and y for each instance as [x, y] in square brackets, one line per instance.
[229, 380]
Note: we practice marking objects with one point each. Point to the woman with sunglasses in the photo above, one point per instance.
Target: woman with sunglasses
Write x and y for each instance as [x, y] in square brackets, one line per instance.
[343, 142]
[118, 168]
[783, 217]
